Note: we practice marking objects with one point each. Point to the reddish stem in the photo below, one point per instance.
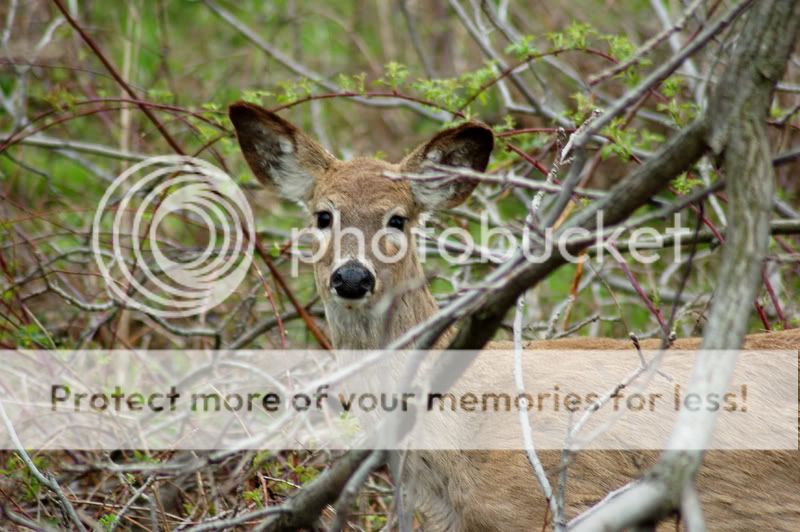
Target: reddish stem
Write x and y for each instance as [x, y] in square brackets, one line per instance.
[773, 297]
[637, 287]
[533, 162]
[532, 57]
[164, 133]
[117, 77]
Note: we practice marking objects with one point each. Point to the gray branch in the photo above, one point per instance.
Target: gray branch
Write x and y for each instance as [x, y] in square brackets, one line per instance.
[737, 110]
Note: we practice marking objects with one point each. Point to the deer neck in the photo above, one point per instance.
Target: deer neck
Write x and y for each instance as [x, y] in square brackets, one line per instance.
[375, 326]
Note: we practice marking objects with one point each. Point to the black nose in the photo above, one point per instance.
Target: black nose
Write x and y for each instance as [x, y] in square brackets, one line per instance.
[352, 280]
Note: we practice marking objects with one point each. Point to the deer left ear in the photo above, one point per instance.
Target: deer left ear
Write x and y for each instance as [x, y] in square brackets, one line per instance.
[468, 145]
[278, 153]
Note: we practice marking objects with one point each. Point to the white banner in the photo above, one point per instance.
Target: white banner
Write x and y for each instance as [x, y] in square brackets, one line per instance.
[319, 399]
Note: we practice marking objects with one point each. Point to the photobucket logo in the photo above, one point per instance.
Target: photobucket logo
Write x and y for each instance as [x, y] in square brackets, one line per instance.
[167, 193]
[488, 244]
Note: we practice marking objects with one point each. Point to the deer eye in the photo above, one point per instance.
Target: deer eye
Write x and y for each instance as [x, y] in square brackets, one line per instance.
[324, 219]
[397, 222]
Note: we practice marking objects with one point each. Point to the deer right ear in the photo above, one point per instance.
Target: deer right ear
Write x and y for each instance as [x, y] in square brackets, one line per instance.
[468, 145]
[279, 154]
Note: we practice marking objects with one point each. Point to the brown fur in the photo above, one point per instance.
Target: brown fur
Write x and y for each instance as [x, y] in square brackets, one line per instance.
[496, 490]
[485, 490]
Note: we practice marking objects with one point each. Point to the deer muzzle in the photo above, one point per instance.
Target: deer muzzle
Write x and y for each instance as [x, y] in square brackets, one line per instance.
[352, 280]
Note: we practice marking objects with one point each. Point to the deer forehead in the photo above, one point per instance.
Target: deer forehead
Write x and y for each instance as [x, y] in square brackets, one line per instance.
[360, 187]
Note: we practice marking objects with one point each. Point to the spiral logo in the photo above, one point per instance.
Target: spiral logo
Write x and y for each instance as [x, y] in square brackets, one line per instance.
[152, 202]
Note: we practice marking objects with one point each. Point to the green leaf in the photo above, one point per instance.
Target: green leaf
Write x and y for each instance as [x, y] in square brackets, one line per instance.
[507, 125]
[254, 495]
[577, 35]
[360, 81]
[395, 75]
[107, 521]
[443, 92]
[256, 96]
[683, 184]
[522, 48]
[671, 86]
[619, 47]
[345, 82]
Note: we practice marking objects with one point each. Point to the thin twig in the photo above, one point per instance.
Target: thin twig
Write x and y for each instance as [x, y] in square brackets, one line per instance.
[376, 459]
[660, 73]
[117, 77]
[224, 524]
[304, 71]
[525, 425]
[647, 46]
[48, 481]
[138, 493]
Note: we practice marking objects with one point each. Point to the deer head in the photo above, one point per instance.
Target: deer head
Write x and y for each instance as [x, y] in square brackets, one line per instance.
[365, 251]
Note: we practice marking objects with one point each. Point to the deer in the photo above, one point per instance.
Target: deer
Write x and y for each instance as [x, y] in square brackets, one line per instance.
[474, 490]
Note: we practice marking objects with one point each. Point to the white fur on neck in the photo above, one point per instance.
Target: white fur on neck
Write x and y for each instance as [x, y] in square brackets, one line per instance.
[357, 327]
[371, 325]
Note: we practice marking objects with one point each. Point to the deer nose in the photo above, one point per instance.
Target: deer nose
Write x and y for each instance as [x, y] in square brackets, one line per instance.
[352, 280]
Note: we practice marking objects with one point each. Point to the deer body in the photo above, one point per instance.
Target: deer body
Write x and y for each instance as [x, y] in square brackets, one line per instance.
[369, 302]
[496, 490]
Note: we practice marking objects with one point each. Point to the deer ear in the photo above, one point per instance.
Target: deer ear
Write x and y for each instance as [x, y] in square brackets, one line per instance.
[278, 153]
[468, 145]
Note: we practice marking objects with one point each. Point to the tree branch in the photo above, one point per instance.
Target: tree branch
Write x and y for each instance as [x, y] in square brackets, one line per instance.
[737, 111]
[667, 68]
[304, 508]
[317, 78]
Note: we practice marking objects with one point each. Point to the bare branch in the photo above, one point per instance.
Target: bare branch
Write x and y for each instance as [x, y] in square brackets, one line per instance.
[225, 524]
[661, 72]
[691, 511]
[44, 141]
[737, 110]
[527, 433]
[376, 459]
[411, 25]
[483, 41]
[48, 481]
[317, 78]
[647, 46]
[303, 509]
